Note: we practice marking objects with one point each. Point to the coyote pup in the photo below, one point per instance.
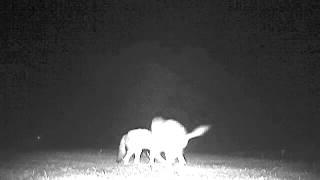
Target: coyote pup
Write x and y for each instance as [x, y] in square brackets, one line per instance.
[133, 143]
[171, 138]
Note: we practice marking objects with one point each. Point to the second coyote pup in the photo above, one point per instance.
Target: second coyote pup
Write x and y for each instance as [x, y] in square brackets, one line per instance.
[171, 138]
[133, 143]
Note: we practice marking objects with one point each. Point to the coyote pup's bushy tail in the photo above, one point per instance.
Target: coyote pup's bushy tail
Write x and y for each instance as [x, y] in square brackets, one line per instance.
[122, 148]
[199, 131]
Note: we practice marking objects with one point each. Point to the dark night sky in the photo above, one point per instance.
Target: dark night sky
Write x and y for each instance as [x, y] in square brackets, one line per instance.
[85, 73]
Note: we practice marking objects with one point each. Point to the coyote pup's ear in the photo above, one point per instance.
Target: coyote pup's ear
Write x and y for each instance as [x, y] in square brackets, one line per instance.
[156, 122]
[158, 119]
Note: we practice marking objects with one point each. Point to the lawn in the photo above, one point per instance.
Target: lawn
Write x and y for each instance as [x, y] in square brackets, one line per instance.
[97, 164]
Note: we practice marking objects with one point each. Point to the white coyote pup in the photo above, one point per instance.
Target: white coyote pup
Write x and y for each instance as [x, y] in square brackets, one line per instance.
[171, 138]
[133, 143]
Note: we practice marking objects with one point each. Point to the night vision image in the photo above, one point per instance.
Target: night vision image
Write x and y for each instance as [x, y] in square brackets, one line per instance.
[160, 89]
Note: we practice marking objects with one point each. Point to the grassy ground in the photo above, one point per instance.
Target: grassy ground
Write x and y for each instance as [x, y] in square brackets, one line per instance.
[93, 164]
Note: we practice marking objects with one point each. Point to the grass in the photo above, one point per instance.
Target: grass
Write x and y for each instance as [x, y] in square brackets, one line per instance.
[93, 164]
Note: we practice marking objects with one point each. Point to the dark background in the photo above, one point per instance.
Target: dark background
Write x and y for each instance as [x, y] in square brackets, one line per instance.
[83, 73]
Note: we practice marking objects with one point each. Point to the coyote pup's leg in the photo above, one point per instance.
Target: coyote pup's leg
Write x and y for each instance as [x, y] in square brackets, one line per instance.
[151, 156]
[127, 156]
[155, 154]
[181, 159]
[137, 155]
